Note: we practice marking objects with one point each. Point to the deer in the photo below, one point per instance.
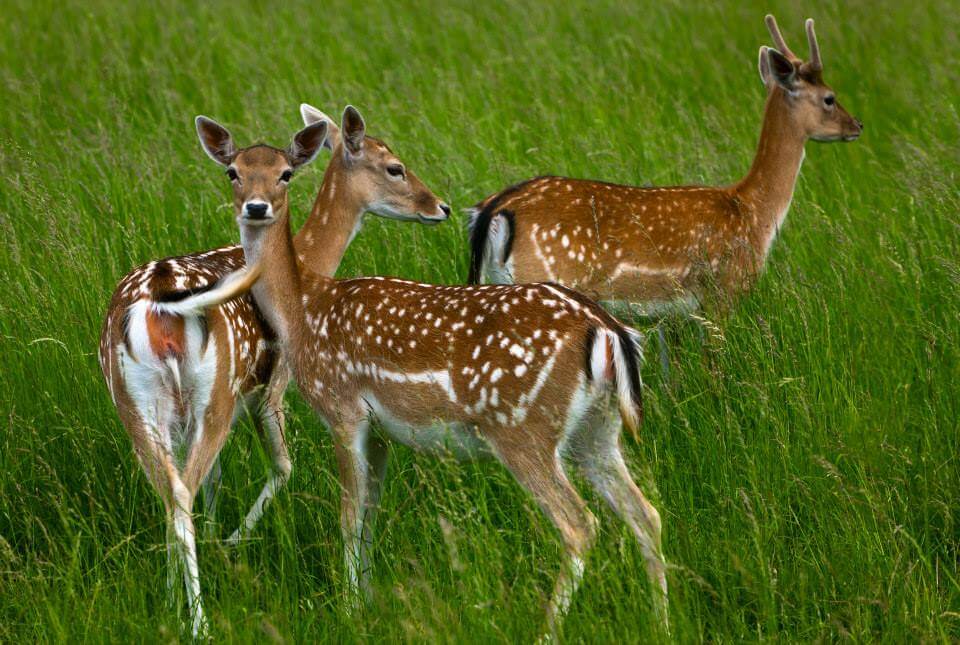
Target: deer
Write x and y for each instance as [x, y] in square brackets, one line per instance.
[662, 252]
[532, 375]
[185, 350]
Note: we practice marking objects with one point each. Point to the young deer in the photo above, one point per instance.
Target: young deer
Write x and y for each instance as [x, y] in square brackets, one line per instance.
[653, 251]
[524, 373]
[180, 369]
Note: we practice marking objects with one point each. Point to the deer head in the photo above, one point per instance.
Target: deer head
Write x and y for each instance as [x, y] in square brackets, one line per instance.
[812, 104]
[260, 174]
[372, 172]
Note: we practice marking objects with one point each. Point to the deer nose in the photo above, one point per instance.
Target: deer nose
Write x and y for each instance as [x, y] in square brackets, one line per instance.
[445, 208]
[859, 122]
[256, 210]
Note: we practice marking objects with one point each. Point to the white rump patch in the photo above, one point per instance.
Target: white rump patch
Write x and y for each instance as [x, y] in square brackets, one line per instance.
[682, 305]
[154, 384]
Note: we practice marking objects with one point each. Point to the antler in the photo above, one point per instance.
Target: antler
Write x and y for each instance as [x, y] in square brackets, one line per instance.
[815, 62]
[778, 38]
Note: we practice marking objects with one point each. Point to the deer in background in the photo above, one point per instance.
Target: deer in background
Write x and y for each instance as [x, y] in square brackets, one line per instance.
[181, 369]
[527, 374]
[661, 251]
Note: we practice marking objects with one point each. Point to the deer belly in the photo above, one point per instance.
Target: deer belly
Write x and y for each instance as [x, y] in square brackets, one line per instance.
[683, 304]
[440, 438]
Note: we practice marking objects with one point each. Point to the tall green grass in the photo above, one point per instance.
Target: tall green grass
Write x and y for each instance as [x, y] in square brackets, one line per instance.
[804, 459]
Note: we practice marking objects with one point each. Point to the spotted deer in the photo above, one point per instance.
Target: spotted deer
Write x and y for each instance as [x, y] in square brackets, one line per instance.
[656, 251]
[180, 368]
[526, 374]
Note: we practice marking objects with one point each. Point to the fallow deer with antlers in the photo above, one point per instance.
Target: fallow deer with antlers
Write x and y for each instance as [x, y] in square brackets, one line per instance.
[527, 374]
[181, 366]
[655, 251]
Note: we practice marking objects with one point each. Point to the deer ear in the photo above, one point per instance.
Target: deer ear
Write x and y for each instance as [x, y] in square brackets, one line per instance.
[353, 130]
[312, 115]
[216, 140]
[781, 70]
[307, 143]
[763, 66]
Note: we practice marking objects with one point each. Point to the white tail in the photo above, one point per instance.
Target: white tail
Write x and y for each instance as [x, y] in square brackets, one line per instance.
[230, 287]
[616, 356]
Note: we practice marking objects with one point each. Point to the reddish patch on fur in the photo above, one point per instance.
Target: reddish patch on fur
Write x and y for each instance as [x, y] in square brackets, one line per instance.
[608, 373]
[166, 334]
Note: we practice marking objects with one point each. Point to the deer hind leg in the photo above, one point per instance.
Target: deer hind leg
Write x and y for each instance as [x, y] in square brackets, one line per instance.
[271, 426]
[540, 471]
[211, 431]
[180, 520]
[147, 410]
[152, 446]
[181, 543]
[596, 450]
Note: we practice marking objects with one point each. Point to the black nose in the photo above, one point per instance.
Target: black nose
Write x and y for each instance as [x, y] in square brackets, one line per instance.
[445, 209]
[859, 122]
[257, 211]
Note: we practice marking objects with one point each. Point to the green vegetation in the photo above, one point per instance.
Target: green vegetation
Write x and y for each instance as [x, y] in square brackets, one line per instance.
[805, 459]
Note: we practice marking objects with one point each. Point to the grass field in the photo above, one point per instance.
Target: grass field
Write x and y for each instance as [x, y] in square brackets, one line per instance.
[805, 460]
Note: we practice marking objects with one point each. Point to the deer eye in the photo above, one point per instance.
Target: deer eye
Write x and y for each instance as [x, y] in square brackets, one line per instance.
[829, 100]
[395, 170]
[232, 174]
[286, 176]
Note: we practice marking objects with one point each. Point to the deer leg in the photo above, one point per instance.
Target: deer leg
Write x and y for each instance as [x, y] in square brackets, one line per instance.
[271, 426]
[351, 447]
[597, 453]
[541, 472]
[183, 529]
[162, 472]
[149, 430]
[377, 455]
[211, 433]
[157, 463]
[148, 422]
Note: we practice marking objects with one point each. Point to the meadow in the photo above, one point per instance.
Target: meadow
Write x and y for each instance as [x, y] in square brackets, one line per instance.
[804, 456]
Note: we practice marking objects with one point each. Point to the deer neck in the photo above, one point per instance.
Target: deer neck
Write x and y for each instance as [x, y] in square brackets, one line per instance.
[279, 291]
[767, 190]
[335, 219]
